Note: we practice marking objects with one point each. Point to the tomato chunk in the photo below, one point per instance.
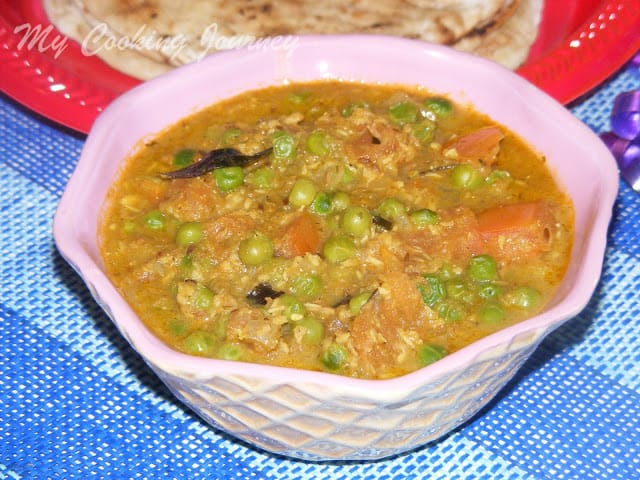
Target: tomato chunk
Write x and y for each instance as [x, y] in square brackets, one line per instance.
[480, 145]
[301, 236]
[517, 231]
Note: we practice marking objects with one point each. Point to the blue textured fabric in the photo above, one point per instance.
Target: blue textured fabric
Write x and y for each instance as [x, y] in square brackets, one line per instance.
[77, 402]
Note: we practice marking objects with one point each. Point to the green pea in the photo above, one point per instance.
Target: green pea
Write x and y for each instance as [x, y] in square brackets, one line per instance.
[424, 217]
[202, 298]
[284, 145]
[456, 288]
[403, 112]
[230, 135]
[356, 303]
[199, 343]
[340, 201]
[255, 250]
[262, 177]
[447, 272]
[220, 326]
[491, 314]
[348, 175]
[299, 98]
[154, 220]
[339, 248]
[228, 178]
[497, 175]
[314, 330]
[482, 268]
[425, 130]
[318, 143]
[177, 328]
[489, 291]
[183, 157]
[525, 297]
[186, 262]
[347, 111]
[306, 286]
[189, 233]
[440, 106]
[334, 357]
[321, 204]
[449, 311]
[466, 176]
[429, 353]
[391, 209]
[302, 193]
[294, 309]
[356, 221]
[432, 290]
[229, 351]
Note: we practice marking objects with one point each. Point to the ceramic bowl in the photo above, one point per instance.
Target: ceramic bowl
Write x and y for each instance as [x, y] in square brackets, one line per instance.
[315, 415]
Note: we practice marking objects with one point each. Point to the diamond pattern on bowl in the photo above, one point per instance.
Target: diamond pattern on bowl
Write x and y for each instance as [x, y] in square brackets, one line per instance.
[311, 422]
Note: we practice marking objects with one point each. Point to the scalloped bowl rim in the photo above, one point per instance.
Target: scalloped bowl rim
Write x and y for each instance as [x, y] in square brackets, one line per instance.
[351, 58]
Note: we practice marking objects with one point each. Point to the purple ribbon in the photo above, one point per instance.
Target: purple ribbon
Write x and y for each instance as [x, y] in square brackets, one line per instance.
[625, 116]
[624, 139]
[627, 154]
[635, 65]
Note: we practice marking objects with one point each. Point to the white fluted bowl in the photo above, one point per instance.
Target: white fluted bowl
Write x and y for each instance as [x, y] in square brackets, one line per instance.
[321, 416]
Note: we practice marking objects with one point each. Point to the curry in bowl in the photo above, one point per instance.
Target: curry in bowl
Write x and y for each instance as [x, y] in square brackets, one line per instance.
[364, 230]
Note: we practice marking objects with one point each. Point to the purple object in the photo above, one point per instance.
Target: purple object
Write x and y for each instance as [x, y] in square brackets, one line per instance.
[635, 65]
[616, 144]
[629, 164]
[624, 141]
[625, 116]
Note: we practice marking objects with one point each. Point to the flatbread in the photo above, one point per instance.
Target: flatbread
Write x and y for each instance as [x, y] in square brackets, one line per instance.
[65, 16]
[509, 43]
[204, 26]
[144, 38]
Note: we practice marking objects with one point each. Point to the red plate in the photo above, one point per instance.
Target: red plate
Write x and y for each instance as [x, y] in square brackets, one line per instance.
[580, 44]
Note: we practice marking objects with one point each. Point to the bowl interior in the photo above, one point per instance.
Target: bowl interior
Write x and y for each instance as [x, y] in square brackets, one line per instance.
[581, 163]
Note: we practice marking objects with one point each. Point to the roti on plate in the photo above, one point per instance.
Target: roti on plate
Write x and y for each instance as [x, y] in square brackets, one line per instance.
[509, 42]
[144, 38]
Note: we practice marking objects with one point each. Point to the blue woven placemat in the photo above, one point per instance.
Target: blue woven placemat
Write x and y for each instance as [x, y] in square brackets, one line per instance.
[77, 402]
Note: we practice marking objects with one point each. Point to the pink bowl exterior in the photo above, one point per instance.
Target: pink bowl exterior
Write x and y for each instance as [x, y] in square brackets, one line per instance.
[581, 162]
